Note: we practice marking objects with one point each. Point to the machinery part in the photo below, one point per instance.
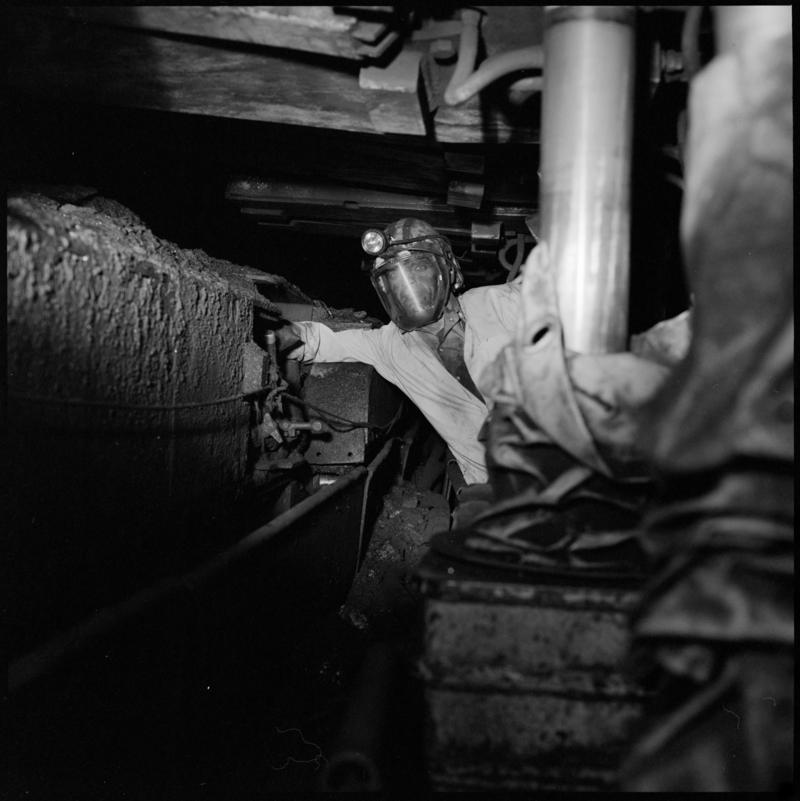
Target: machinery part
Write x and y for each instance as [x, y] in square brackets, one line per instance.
[290, 427]
[356, 392]
[524, 681]
[354, 764]
[587, 122]
[486, 238]
[467, 194]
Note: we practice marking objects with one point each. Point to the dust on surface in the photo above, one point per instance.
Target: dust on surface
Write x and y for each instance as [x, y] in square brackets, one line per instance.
[383, 599]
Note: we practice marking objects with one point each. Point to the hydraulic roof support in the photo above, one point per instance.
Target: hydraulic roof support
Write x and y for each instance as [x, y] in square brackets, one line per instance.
[587, 119]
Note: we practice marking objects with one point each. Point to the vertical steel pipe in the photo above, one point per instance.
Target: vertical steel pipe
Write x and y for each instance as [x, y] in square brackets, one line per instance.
[587, 124]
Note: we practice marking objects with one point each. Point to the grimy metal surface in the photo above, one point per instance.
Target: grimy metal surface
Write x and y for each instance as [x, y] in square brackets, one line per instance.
[323, 527]
[587, 127]
[142, 692]
[524, 688]
[355, 392]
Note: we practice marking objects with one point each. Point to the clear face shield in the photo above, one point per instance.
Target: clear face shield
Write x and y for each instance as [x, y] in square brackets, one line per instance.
[413, 276]
[413, 286]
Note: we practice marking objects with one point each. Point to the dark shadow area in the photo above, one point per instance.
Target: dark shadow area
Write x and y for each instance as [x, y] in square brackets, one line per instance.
[172, 170]
[658, 288]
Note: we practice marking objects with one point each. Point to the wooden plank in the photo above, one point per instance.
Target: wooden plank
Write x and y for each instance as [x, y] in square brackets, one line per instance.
[475, 122]
[80, 62]
[316, 29]
[68, 60]
[394, 94]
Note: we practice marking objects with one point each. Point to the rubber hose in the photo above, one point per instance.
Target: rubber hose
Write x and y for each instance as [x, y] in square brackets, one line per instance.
[524, 58]
[467, 53]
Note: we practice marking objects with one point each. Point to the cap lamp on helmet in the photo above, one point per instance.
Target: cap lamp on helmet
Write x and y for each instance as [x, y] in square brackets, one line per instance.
[373, 242]
[413, 270]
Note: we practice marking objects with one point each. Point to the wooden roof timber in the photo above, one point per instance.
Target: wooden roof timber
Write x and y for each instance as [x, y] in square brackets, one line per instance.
[315, 29]
[71, 60]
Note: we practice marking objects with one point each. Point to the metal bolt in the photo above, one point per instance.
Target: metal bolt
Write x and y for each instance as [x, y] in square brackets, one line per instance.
[315, 426]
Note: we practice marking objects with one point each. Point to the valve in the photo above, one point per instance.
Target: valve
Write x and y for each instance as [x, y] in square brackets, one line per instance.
[291, 427]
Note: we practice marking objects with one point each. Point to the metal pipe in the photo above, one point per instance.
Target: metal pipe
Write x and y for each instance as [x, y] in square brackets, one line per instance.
[586, 138]
[354, 762]
[43, 660]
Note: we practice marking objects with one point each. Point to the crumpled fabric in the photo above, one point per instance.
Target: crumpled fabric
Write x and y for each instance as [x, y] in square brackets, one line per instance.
[735, 734]
[585, 403]
[722, 427]
[563, 446]
[718, 613]
[666, 342]
[733, 395]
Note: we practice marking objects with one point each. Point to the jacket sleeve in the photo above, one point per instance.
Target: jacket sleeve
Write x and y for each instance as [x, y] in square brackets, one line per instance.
[320, 344]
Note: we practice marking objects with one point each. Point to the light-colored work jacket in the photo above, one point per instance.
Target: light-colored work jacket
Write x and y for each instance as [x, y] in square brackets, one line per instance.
[407, 361]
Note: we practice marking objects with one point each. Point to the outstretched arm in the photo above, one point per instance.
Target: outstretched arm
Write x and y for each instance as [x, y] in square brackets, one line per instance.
[320, 344]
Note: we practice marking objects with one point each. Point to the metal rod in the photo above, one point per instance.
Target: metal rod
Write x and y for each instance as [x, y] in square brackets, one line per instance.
[587, 127]
[354, 762]
[372, 469]
[43, 660]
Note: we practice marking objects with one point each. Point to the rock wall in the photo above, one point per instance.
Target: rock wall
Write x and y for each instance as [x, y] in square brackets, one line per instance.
[101, 311]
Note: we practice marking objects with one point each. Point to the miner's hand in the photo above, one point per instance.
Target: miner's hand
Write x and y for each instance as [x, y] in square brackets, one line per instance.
[288, 337]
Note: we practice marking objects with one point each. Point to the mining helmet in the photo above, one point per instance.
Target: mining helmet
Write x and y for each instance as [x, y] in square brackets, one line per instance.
[413, 270]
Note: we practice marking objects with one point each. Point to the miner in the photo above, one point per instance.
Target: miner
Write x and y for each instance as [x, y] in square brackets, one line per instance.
[439, 340]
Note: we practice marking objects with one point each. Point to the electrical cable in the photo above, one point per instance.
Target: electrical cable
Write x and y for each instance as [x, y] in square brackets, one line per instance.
[138, 406]
[335, 421]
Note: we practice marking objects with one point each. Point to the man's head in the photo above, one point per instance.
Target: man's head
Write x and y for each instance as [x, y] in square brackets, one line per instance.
[413, 270]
